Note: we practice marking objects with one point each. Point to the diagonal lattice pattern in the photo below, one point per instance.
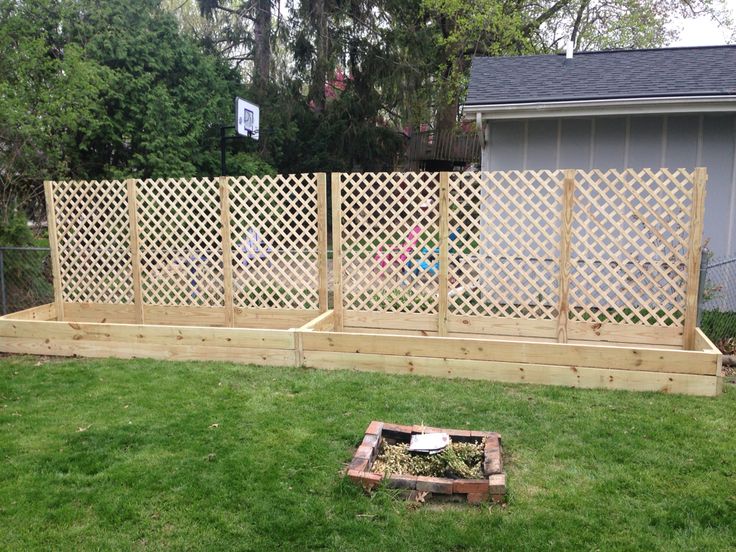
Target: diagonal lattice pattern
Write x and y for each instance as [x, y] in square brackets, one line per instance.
[504, 243]
[93, 237]
[179, 233]
[390, 241]
[629, 246]
[274, 241]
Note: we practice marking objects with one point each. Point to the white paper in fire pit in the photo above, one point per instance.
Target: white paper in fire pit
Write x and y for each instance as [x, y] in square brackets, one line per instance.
[429, 442]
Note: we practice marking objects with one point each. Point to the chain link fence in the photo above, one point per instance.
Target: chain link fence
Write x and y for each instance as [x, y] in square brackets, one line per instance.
[717, 302]
[25, 278]
[26, 281]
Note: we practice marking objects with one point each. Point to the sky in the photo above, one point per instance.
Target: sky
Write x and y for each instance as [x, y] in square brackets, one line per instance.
[702, 31]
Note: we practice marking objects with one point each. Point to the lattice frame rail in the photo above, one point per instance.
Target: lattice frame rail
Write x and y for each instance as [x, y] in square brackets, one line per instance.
[554, 249]
[229, 244]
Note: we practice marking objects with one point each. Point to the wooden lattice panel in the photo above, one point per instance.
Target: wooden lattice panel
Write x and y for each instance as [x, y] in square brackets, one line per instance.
[504, 243]
[630, 246]
[180, 243]
[274, 241]
[93, 241]
[390, 242]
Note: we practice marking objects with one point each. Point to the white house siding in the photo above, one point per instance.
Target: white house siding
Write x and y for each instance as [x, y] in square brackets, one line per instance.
[637, 141]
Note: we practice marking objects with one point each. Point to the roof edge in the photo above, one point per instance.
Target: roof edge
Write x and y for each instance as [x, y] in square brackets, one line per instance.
[610, 106]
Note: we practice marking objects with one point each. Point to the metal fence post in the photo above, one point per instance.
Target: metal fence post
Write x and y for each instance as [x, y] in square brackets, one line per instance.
[3, 296]
[704, 256]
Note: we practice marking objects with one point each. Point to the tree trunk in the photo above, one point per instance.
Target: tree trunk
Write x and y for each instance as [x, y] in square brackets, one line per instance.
[319, 72]
[262, 47]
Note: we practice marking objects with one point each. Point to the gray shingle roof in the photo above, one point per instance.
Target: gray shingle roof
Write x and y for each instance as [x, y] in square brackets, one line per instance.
[663, 72]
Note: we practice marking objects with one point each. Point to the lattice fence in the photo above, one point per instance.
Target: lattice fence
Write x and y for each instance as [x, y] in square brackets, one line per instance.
[611, 247]
[389, 237]
[252, 243]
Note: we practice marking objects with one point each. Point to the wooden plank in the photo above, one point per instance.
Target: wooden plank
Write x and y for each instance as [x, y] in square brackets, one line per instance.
[41, 312]
[54, 249]
[150, 334]
[444, 268]
[703, 343]
[381, 331]
[509, 372]
[337, 305]
[323, 322]
[599, 332]
[135, 251]
[113, 349]
[390, 320]
[273, 318]
[227, 251]
[322, 241]
[563, 307]
[531, 352]
[101, 312]
[520, 327]
[695, 248]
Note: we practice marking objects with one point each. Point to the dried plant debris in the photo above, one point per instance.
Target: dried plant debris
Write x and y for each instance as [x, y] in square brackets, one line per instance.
[457, 461]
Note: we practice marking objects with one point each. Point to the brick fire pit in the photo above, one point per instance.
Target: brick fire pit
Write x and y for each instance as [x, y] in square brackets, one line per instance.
[492, 486]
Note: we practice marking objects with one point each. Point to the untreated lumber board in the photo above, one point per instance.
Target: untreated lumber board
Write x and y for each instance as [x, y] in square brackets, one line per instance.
[324, 321]
[622, 358]
[509, 372]
[115, 349]
[41, 312]
[589, 331]
[148, 334]
[390, 320]
[189, 316]
[694, 251]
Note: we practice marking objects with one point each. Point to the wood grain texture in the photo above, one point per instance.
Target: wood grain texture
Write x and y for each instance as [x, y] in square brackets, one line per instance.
[54, 249]
[694, 251]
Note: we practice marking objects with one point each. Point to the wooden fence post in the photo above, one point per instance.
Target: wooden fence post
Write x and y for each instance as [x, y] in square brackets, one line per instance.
[695, 247]
[563, 306]
[54, 249]
[444, 270]
[336, 252]
[135, 252]
[227, 252]
[322, 240]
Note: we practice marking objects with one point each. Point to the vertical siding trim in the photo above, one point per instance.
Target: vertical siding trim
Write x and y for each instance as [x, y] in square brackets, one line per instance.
[730, 246]
[699, 156]
[627, 138]
[489, 148]
[525, 154]
[663, 156]
[559, 143]
[591, 157]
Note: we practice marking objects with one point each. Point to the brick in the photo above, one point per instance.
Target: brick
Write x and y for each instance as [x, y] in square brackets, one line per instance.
[370, 480]
[477, 498]
[371, 441]
[434, 485]
[364, 452]
[497, 483]
[374, 428]
[367, 480]
[396, 428]
[460, 434]
[498, 498]
[470, 486]
[493, 441]
[403, 481]
[358, 464]
[426, 429]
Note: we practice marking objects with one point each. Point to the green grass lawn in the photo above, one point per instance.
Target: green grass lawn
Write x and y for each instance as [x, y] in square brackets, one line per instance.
[145, 455]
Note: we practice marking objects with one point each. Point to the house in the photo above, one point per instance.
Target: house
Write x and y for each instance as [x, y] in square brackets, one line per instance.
[670, 107]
